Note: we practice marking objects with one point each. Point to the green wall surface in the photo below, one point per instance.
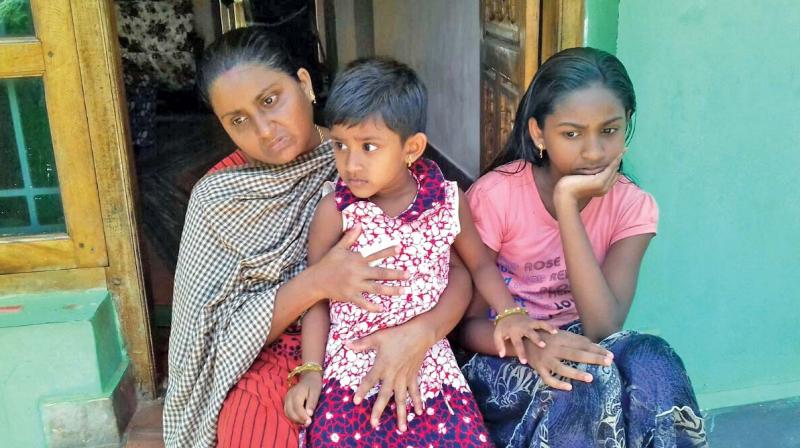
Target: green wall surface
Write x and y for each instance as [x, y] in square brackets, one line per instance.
[718, 144]
[601, 24]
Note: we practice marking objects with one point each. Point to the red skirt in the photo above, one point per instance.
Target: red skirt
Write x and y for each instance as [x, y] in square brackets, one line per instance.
[252, 414]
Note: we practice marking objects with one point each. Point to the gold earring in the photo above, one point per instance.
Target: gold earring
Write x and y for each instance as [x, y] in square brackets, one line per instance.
[541, 150]
[313, 97]
[409, 162]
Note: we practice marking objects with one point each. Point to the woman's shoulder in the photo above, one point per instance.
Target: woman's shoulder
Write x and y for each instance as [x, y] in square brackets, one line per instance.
[236, 158]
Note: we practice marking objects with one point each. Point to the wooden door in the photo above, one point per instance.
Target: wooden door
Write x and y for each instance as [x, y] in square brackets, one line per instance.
[517, 35]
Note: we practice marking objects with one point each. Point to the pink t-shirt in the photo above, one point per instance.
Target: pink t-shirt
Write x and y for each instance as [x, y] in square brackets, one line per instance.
[512, 221]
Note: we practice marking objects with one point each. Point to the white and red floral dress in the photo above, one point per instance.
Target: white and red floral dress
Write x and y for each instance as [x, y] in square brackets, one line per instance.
[425, 232]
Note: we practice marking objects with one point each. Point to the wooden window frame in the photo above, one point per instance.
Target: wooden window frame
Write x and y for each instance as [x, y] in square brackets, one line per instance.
[53, 55]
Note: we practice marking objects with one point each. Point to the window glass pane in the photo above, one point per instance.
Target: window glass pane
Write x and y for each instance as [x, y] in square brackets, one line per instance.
[49, 209]
[15, 18]
[36, 129]
[10, 174]
[14, 217]
[28, 179]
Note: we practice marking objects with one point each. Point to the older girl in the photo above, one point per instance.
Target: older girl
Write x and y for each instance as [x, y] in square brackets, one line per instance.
[569, 232]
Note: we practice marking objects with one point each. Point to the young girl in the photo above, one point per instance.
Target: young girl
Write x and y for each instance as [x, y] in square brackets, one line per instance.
[377, 109]
[569, 233]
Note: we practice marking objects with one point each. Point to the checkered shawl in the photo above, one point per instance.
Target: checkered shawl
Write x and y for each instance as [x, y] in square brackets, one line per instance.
[245, 234]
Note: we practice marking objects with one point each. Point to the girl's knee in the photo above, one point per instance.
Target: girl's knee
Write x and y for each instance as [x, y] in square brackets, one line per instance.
[646, 351]
[651, 368]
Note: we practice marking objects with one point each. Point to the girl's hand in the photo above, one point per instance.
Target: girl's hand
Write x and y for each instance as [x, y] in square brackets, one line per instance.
[565, 346]
[585, 186]
[302, 398]
[515, 328]
[345, 275]
[399, 357]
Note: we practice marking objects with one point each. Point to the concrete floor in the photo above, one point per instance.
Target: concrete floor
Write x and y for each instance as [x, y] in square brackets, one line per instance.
[773, 424]
[762, 425]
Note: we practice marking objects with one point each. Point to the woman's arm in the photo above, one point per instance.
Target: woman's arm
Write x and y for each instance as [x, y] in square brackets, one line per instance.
[603, 294]
[338, 274]
[402, 349]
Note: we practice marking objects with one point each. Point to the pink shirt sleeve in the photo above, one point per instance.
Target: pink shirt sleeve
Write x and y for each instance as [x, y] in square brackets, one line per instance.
[488, 211]
[638, 216]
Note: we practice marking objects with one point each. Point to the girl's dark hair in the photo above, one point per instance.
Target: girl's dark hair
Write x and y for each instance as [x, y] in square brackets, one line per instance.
[250, 45]
[565, 72]
[383, 87]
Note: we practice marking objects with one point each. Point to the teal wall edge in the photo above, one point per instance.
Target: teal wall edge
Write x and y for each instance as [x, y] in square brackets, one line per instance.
[716, 143]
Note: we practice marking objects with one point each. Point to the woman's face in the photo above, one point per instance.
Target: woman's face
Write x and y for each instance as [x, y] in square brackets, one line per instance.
[267, 113]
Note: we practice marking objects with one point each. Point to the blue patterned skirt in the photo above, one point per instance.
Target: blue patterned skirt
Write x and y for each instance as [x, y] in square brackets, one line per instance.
[644, 399]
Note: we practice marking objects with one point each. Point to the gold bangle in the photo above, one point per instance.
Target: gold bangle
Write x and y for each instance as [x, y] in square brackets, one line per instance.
[303, 368]
[510, 312]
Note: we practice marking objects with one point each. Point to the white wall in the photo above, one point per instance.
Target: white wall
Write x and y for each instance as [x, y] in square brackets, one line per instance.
[354, 37]
[204, 23]
[440, 39]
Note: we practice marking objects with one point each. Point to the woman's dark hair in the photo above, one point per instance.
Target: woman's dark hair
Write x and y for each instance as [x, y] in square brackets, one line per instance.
[250, 45]
[565, 72]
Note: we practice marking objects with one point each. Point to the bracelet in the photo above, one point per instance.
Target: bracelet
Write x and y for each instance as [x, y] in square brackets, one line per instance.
[303, 368]
[510, 312]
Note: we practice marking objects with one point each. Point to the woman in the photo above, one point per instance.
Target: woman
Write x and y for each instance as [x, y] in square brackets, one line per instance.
[241, 278]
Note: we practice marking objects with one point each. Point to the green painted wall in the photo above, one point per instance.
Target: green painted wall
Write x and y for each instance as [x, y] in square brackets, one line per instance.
[718, 143]
[601, 25]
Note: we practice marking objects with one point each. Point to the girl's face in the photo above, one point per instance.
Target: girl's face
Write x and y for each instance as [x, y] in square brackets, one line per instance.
[372, 159]
[584, 133]
[267, 113]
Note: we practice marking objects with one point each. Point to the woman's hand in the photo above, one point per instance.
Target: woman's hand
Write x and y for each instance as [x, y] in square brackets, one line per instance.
[565, 346]
[400, 353]
[514, 328]
[584, 186]
[344, 275]
[302, 398]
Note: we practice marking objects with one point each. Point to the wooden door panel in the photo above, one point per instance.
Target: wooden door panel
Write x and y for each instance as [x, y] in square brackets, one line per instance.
[516, 36]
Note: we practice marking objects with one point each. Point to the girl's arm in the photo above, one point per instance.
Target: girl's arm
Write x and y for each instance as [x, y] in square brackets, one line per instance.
[482, 265]
[325, 231]
[603, 294]
[480, 262]
[301, 400]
